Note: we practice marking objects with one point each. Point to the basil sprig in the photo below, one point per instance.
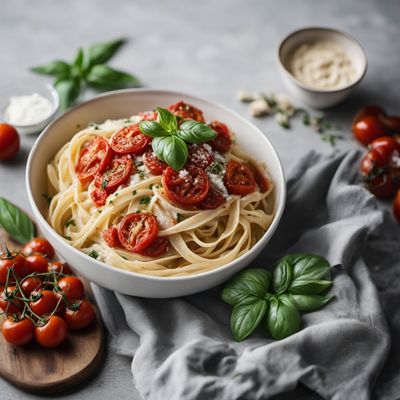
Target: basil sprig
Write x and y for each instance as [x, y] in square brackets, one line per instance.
[170, 138]
[15, 222]
[87, 69]
[297, 285]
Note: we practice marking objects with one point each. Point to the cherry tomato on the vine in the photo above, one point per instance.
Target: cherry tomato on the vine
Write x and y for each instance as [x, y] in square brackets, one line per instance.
[52, 333]
[72, 287]
[80, 315]
[16, 263]
[31, 284]
[8, 301]
[368, 128]
[60, 268]
[37, 263]
[45, 304]
[39, 245]
[18, 332]
[9, 142]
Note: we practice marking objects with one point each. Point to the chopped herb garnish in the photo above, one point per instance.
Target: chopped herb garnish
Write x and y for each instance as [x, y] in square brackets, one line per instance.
[68, 237]
[179, 217]
[141, 174]
[144, 200]
[111, 202]
[151, 186]
[138, 210]
[70, 222]
[104, 183]
[134, 192]
[116, 194]
[94, 254]
[139, 163]
[125, 258]
[94, 126]
[331, 138]
[216, 168]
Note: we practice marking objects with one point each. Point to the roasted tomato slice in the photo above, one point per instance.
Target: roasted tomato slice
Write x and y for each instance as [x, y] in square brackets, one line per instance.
[186, 111]
[200, 155]
[156, 248]
[130, 140]
[153, 163]
[213, 200]
[99, 196]
[116, 174]
[137, 230]
[239, 178]
[93, 159]
[110, 236]
[223, 142]
[187, 187]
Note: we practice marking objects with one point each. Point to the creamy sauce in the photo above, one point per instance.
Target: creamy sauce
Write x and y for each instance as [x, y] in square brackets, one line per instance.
[322, 65]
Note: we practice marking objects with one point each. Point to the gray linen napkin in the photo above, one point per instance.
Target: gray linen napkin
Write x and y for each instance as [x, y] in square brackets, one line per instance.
[182, 348]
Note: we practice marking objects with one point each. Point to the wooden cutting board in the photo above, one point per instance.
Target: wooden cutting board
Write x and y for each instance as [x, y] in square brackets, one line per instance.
[39, 370]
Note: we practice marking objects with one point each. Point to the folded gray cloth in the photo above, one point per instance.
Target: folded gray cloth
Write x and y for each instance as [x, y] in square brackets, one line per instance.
[182, 348]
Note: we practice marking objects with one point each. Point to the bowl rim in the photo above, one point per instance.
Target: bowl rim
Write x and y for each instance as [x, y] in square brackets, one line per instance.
[268, 233]
[346, 35]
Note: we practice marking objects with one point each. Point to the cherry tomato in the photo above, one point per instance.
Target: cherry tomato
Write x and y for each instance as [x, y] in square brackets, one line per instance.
[186, 111]
[93, 159]
[60, 268]
[148, 116]
[239, 178]
[200, 155]
[80, 315]
[15, 261]
[159, 246]
[31, 284]
[137, 230]
[391, 123]
[52, 333]
[213, 200]
[130, 140]
[369, 110]
[187, 187]
[223, 142]
[260, 177]
[153, 163]
[385, 146]
[39, 245]
[8, 302]
[37, 263]
[19, 332]
[9, 142]
[396, 206]
[116, 174]
[368, 128]
[99, 196]
[72, 287]
[110, 236]
[45, 304]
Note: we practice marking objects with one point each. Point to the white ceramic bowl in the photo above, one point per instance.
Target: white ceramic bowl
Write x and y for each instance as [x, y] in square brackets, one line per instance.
[124, 103]
[320, 98]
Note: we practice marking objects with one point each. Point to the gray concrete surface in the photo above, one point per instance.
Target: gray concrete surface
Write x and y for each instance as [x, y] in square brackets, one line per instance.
[207, 48]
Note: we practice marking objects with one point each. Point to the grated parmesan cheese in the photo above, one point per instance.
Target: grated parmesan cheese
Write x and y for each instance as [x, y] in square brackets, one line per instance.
[183, 173]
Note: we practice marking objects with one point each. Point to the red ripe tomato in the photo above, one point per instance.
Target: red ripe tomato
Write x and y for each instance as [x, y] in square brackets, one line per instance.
[368, 128]
[130, 140]
[137, 230]
[385, 146]
[153, 163]
[52, 333]
[260, 177]
[223, 142]
[39, 245]
[148, 116]
[116, 174]
[14, 261]
[186, 111]
[19, 332]
[200, 155]
[37, 263]
[110, 236]
[31, 284]
[369, 110]
[72, 287]
[8, 303]
[93, 159]
[239, 178]
[187, 187]
[9, 142]
[213, 200]
[391, 123]
[60, 268]
[159, 246]
[396, 206]
[45, 304]
[99, 196]
[80, 315]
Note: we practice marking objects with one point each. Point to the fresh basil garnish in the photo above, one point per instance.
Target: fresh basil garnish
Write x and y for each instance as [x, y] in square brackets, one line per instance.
[153, 128]
[195, 132]
[100, 53]
[68, 90]
[102, 76]
[15, 222]
[298, 283]
[167, 120]
[56, 68]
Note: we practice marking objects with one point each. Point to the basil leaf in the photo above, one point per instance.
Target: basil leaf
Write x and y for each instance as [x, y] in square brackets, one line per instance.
[310, 302]
[174, 152]
[166, 119]
[16, 222]
[282, 276]
[246, 317]
[250, 282]
[56, 68]
[102, 76]
[68, 91]
[305, 286]
[78, 62]
[152, 128]
[195, 132]
[158, 146]
[99, 53]
[309, 266]
[282, 319]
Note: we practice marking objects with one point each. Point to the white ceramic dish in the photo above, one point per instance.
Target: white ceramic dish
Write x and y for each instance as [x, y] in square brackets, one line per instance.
[120, 104]
[320, 98]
